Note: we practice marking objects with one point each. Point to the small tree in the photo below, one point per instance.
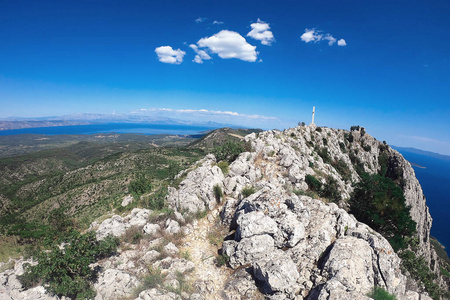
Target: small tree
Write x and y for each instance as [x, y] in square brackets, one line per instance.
[379, 202]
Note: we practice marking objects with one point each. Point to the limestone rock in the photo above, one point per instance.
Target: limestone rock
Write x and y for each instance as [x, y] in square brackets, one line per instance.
[113, 283]
[127, 200]
[151, 229]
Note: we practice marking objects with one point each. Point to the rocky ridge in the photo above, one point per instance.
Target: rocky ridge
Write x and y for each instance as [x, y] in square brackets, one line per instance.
[281, 244]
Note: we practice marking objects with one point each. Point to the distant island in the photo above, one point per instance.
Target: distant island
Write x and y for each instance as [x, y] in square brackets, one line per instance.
[422, 152]
[417, 165]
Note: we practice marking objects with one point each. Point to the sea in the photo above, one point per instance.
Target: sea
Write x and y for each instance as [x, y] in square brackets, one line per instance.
[147, 129]
[434, 177]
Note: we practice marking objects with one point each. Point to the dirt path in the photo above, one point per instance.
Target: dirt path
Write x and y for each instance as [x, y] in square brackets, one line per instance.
[207, 278]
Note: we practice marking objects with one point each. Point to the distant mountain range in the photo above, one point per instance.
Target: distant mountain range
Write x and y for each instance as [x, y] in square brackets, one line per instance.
[422, 152]
[86, 119]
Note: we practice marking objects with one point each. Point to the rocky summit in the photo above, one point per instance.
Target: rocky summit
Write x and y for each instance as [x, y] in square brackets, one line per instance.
[259, 214]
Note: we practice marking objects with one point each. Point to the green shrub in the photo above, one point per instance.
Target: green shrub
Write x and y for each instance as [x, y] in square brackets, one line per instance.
[313, 183]
[247, 191]
[66, 272]
[141, 185]
[228, 151]
[379, 202]
[379, 293]
[323, 152]
[445, 272]
[224, 166]
[222, 260]
[218, 194]
[330, 190]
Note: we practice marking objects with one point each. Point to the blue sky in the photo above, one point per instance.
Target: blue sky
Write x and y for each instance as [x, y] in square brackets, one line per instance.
[392, 76]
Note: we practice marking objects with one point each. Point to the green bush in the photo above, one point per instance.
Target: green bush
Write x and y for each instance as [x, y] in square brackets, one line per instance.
[222, 260]
[379, 202]
[323, 152]
[247, 191]
[330, 190]
[224, 166]
[313, 183]
[379, 293]
[228, 151]
[141, 185]
[66, 272]
[218, 194]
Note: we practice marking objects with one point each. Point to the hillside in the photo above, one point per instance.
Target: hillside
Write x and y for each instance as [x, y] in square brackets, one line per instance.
[13, 145]
[274, 223]
[220, 136]
[83, 180]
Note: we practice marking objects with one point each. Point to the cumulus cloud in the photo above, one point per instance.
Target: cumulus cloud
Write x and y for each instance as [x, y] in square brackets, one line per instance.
[342, 42]
[217, 22]
[169, 56]
[207, 112]
[229, 44]
[311, 35]
[315, 36]
[201, 54]
[200, 20]
[331, 40]
[260, 31]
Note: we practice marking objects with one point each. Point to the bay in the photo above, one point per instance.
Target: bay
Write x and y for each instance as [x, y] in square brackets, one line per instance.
[138, 128]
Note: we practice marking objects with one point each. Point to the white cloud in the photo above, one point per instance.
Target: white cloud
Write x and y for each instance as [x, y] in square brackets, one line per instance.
[169, 56]
[315, 36]
[229, 44]
[342, 42]
[311, 35]
[207, 112]
[260, 31]
[201, 54]
[331, 40]
[217, 22]
[200, 20]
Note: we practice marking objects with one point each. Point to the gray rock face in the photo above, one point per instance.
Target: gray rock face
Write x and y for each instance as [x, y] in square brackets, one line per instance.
[195, 193]
[117, 225]
[279, 274]
[113, 284]
[335, 257]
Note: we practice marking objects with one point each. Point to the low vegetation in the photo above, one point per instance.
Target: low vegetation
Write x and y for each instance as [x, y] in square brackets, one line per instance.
[247, 191]
[379, 293]
[78, 184]
[66, 271]
[229, 151]
[419, 270]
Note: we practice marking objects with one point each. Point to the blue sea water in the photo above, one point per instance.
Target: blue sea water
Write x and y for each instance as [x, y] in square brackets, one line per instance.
[435, 182]
[148, 129]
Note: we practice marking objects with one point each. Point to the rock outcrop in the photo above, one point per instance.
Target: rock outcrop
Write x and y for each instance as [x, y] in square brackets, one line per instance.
[283, 241]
